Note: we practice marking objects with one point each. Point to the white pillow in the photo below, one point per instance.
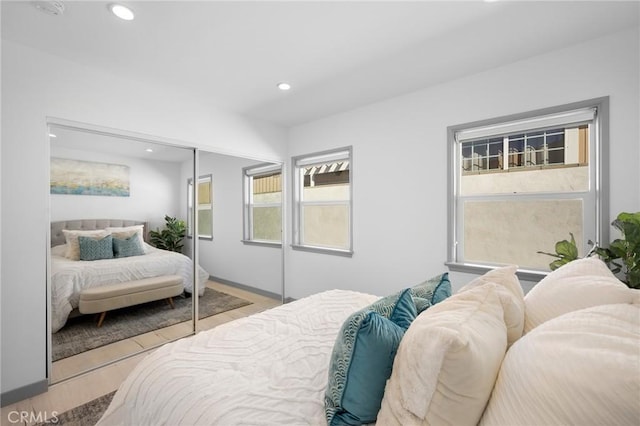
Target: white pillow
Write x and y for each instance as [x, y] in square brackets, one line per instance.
[576, 285]
[582, 368]
[59, 250]
[511, 296]
[447, 362]
[124, 232]
[73, 246]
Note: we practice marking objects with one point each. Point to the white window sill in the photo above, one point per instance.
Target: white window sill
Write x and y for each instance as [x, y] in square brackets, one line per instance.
[323, 250]
[475, 268]
[274, 244]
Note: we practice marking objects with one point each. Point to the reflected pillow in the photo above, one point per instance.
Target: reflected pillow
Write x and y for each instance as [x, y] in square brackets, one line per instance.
[71, 237]
[60, 250]
[124, 232]
[95, 249]
[127, 247]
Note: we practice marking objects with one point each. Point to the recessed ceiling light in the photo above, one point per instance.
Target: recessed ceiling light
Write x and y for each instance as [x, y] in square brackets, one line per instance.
[51, 135]
[122, 12]
[284, 86]
[149, 150]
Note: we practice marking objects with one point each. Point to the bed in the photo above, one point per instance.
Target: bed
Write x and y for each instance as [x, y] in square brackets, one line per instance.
[459, 359]
[69, 277]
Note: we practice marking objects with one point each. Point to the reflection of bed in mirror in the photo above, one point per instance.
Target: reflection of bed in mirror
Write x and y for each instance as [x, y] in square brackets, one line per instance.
[70, 275]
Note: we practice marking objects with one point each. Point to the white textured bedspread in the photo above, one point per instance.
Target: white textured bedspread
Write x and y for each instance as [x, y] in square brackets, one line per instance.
[70, 277]
[267, 369]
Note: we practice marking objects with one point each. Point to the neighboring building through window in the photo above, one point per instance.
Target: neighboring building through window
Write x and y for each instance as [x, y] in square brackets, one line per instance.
[519, 184]
[263, 204]
[204, 207]
[322, 213]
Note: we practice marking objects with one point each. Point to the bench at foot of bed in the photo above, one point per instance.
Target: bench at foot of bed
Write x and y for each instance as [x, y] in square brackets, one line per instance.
[120, 295]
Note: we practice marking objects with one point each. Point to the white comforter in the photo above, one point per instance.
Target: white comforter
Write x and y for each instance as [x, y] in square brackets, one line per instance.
[70, 277]
[267, 369]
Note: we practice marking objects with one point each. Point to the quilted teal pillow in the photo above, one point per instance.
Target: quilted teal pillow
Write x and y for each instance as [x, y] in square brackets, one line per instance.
[435, 289]
[126, 247]
[95, 249]
[362, 359]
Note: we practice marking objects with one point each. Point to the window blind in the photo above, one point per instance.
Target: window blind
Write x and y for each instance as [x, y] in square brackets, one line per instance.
[546, 121]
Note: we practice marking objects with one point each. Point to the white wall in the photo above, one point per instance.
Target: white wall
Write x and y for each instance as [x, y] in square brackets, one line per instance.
[226, 256]
[154, 191]
[400, 156]
[37, 85]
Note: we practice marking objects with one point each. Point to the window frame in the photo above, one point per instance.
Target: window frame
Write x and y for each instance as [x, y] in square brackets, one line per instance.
[299, 162]
[248, 174]
[190, 194]
[599, 180]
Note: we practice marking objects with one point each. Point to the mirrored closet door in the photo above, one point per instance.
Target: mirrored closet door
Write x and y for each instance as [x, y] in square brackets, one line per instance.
[121, 276]
[241, 248]
[229, 209]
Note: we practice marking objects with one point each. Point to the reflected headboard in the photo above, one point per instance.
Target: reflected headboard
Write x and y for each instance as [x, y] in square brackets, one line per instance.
[57, 236]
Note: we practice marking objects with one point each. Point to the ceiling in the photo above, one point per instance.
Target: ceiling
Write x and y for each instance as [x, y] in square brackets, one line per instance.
[84, 140]
[337, 55]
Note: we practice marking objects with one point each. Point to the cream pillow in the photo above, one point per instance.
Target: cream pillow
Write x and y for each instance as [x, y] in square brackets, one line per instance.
[576, 285]
[73, 246]
[447, 362]
[582, 368]
[511, 296]
[59, 250]
[124, 232]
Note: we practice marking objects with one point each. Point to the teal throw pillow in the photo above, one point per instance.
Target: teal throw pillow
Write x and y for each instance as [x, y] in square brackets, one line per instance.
[435, 289]
[95, 249]
[421, 303]
[362, 359]
[126, 247]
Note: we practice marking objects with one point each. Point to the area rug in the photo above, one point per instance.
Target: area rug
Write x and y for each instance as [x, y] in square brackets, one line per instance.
[85, 415]
[81, 334]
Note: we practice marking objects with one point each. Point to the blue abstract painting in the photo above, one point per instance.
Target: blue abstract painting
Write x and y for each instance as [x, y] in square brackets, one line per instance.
[76, 177]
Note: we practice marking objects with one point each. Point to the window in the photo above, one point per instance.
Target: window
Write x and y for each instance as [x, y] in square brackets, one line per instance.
[204, 207]
[521, 183]
[263, 204]
[322, 213]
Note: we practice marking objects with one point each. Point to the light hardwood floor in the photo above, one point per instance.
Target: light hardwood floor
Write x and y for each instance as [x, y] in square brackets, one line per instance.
[79, 390]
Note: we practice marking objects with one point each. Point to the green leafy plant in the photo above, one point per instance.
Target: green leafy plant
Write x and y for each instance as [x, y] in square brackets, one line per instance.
[171, 237]
[623, 254]
[566, 251]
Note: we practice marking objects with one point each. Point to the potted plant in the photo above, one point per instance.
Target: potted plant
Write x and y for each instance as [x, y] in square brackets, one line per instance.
[566, 251]
[170, 238]
[622, 256]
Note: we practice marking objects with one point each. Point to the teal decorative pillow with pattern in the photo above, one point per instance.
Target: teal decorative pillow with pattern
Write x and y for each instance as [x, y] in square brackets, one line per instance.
[434, 290]
[95, 249]
[126, 247]
[362, 359]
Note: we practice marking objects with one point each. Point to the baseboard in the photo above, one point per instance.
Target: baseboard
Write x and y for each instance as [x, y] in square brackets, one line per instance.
[259, 291]
[17, 395]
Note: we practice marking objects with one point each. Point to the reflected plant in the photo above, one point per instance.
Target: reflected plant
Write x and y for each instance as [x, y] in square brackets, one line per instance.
[170, 238]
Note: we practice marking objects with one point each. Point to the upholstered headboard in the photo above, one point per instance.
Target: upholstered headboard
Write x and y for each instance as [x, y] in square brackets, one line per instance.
[57, 237]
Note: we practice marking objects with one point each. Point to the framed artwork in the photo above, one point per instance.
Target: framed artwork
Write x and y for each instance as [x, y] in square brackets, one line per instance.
[76, 177]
